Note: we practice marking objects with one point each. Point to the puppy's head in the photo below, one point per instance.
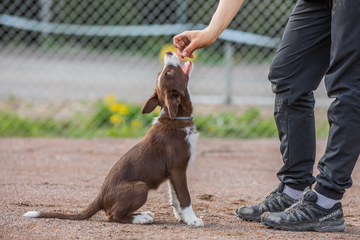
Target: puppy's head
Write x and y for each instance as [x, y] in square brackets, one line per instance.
[171, 90]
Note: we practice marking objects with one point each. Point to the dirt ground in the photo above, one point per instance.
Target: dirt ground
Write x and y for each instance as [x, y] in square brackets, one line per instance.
[66, 174]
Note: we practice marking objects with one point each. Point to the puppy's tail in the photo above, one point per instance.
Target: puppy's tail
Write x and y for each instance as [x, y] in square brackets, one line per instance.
[93, 208]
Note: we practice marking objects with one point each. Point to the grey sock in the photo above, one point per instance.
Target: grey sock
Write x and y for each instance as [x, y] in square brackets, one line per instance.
[325, 202]
[293, 193]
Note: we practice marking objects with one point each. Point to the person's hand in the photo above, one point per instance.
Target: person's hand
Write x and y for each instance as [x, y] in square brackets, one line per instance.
[189, 41]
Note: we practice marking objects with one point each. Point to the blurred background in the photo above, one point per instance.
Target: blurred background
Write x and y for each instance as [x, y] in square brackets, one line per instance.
[84, 68]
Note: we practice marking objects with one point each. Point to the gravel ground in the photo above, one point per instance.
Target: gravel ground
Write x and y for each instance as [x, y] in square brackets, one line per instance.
[66, 174]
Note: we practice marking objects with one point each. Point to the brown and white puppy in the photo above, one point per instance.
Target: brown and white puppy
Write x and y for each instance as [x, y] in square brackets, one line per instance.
[163, 154]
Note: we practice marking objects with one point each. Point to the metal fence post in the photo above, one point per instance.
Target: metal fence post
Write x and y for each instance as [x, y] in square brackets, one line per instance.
[229, 51]
[45, 16]
[181, 13]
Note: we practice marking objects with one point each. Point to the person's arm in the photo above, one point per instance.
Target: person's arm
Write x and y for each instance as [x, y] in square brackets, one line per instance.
[188, 41]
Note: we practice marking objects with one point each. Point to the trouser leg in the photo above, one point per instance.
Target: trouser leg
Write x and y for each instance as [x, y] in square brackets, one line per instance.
[297, 69]
[342, 81]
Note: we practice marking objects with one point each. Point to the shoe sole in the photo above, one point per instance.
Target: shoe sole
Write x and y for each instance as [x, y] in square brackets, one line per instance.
[248, 218]
[317, 227]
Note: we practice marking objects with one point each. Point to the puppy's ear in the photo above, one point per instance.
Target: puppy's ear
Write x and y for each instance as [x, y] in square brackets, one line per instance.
[172, 101]
[188, 67]
[150, 104]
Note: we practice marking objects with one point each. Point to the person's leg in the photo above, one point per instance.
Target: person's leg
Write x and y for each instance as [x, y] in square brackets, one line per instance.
[343, 83]
[297, 69]
[321, 210]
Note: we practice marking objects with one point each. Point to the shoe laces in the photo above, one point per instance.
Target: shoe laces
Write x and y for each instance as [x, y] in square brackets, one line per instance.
[273, 193]
[295, 206]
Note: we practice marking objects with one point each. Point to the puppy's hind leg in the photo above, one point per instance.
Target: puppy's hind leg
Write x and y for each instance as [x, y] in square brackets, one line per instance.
[128, 197]
[143, 218]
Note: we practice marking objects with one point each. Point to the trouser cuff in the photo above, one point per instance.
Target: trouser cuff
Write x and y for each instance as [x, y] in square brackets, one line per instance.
[328, 193]
[299, 187]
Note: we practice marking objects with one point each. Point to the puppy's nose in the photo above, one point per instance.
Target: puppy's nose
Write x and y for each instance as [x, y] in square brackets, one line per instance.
[168, 53]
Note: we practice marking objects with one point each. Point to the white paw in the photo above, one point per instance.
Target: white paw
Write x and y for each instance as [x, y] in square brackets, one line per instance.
[188, 216]
[142, 219]
[148, 213]
[196, 223]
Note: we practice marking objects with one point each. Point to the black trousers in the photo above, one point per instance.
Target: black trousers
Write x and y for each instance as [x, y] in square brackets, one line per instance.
[322, 38]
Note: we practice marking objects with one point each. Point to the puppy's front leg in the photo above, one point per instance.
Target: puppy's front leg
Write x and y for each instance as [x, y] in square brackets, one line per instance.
[180, 199]
[174, 201]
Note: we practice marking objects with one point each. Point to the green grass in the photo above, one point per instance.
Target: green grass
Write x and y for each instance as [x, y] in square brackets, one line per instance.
[15, 126]
[114, 119]
[250, 124]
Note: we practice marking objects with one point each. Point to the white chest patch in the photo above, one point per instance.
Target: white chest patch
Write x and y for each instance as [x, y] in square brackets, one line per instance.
[191, 136]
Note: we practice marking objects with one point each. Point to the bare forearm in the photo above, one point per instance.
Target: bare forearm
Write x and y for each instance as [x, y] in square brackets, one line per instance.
[223, 15]
[188, 41]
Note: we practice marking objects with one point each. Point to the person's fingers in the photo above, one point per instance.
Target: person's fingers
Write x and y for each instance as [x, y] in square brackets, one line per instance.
[189, 41]
[185, 41]
[189, 49]
[178, 52]
[176, 41]
[187, 52]
[181, 42]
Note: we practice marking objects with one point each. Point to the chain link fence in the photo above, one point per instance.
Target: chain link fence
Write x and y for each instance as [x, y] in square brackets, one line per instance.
[62, 61]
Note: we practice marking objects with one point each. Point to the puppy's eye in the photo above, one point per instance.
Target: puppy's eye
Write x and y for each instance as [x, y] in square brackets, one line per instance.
[174, 94]
[169, 73]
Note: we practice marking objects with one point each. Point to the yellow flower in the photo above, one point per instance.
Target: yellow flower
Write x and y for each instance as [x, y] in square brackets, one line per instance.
[114, 119]
[110, 98]
[122, 109]
[170, 47]
[157, 110]
[136, 123]
[211, 128]
[115, 107]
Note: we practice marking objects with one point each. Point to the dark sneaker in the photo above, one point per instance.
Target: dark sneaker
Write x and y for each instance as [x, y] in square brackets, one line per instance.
[306, 215]
[275, 202]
